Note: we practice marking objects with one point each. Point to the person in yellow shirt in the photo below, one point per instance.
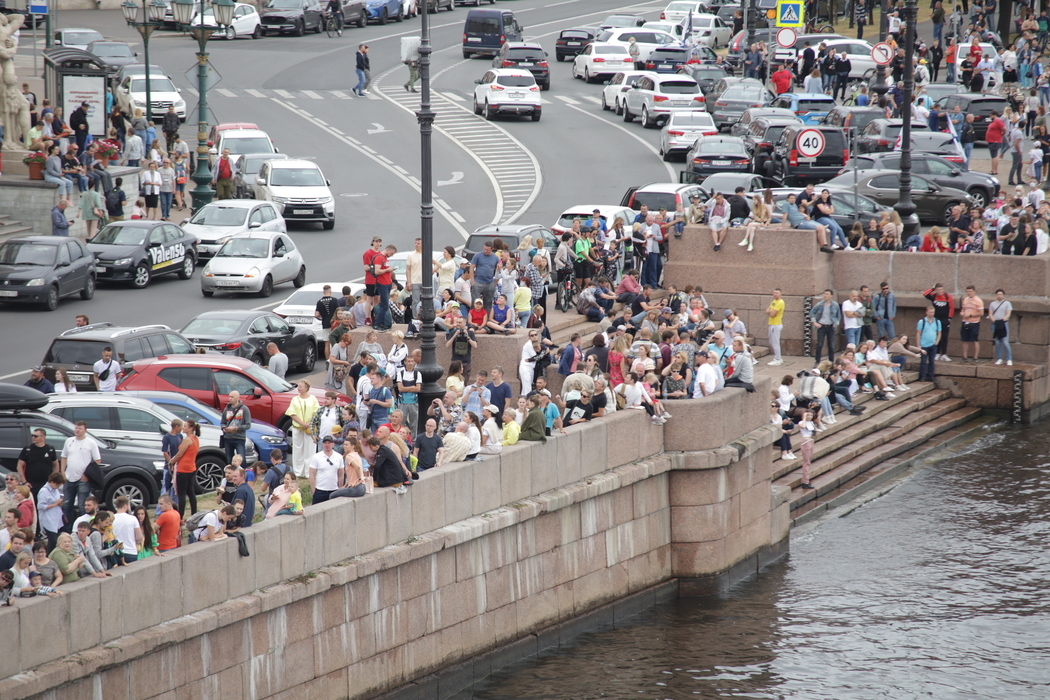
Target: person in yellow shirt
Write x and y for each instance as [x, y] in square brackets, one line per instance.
[511, 429]
[301, 410]
[523, 302]
[775, 312]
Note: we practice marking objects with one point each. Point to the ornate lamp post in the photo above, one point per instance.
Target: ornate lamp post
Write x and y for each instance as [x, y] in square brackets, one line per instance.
[905, 206]
[152, 16]
[429, 368]
[751, 20]
[184, 14]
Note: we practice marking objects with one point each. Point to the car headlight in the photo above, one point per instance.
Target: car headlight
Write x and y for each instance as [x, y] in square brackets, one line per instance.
[254, 272]
[159, 466]
[207, 271]
[273, 439]
[326, 200]
[122, 262]
[279, 200]
[181, 104]
[38, 282]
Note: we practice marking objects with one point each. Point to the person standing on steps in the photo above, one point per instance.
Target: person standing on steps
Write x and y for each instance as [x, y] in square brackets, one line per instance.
[929, 337]
[971, 309]
[775, 311]
[944, 306]
[364, 74]
[999, 314]
[826, 316]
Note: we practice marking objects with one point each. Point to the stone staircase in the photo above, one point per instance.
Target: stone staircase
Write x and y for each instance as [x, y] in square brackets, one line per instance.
[12, 229]
[859, 452]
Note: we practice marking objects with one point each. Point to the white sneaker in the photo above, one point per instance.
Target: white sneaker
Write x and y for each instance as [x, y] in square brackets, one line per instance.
[402, 489]
[743, 242]
[820, 428]
[775, 363]
[665, 415]
[750, 248]
[998, 362]
[787, 456]
[890, 395]
[835, 246]
[946, 358]
[365, 92]
[1009, 363]
[754, 361]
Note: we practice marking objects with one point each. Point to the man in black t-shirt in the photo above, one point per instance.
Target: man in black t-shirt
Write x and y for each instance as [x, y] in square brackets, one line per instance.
[326, 307]
[738, 206]
[599, 402]
[579, 410]
[429, 448]
[462, 341]
[958, 225]
[37, 461]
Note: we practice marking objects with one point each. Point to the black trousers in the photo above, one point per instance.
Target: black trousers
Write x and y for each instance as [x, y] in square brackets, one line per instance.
[825, 333]
[186, 486]
[946, 325]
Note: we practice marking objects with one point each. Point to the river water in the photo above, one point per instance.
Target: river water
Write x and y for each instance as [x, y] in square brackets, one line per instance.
[938, 589]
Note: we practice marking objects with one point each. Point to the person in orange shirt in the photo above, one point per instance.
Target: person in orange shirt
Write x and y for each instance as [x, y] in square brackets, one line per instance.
[168, 525]
[185, 465]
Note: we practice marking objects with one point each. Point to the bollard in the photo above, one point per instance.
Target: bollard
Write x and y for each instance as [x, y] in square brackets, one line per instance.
[1015, 407]
[807, 327]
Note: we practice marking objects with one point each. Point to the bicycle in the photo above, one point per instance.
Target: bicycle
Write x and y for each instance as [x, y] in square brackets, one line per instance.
[567, 290]
[334, 24]
[819, 25]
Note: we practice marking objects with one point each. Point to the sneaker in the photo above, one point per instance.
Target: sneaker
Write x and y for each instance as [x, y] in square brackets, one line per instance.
[750, 248]
[1009, 363]
[665, 415]
[945, 358]
[820, 428]
[891, 395]
[743, 242]
[999, 362]
[401, 490]
[826, 249]
[836, 246]
[775, 363]
[807, 486]
[754, 361]
[718, 247]
[365, 92]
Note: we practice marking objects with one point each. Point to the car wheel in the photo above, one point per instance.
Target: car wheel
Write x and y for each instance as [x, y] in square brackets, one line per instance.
[141, 279]
[979, 196]
[89, 289]
[477, 107]
[536, 115]
[587, 75]
[259, 359]
[300, 28]
[575, 71]
[51, 302]
[267, 287]
[618, 107]
[382, 17]
[328, 225]
[285, 426]
[188, 266]
[399, 16]
[770, 172]
[490, 113]
[231, 33]
[627, 116]
[560, 57]
[210, 471]
[605, 104]
[466, 55]
[646, 122]
[257, 33]
[300, 279]
[309, 358]
[207, 293]
[320, 26]
[362, 19]
[666, 155]
[129, 487]
[546, 86]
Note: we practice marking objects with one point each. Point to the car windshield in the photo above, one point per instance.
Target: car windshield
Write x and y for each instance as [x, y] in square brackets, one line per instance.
[815, 105]
[680, 87]
[303, 297]
[516, 80]
[697, 120]
[245, 248]
[212, 326]
[747, 94]
[113, 51]
[121, 235]
[522, 54]
[218, 215]
[568, 217]
[80, 38]
[26, 253]
[248, 144]
[680, 6]
[620, 22]
[268, 379]
[721, 147]
[574, 34]
[296, 177]
[155, 85]
[76, 352]
[284, 4]
[709, 73]
[671, 55]
[612, 49]
[476, 242]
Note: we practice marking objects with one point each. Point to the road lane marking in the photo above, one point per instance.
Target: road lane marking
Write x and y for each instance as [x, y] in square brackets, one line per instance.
[597, 115]
[254, 93]
[312, 95]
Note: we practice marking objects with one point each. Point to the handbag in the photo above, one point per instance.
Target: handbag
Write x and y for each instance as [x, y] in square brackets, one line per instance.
[180, 180]
[621, 400]
[340, 373]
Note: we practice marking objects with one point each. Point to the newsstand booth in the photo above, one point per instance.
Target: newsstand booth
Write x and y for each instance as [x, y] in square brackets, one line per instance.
[72, 77]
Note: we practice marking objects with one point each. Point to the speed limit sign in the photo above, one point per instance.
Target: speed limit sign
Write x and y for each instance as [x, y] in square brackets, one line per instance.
[811, 143]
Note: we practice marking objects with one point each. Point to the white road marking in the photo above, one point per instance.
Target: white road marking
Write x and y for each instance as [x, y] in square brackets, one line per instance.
[254, 93]
[283, 93]
[568, 100]
[379, 129]
[591, 98]
[385, 159]
[400, 170]
[457, 178]
[453, 96]
[595, 115]
[341, 95]
[312, 95]
[226, 93]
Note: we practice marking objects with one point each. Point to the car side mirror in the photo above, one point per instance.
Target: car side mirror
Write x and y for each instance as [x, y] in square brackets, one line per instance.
[478, 81]
[255, 224]
[184, 222]
[328, 182]
[955, 173]
[154, 244]
[607, 82]
[257, 391]
[260, 181]
[161, 430]
[279, 254]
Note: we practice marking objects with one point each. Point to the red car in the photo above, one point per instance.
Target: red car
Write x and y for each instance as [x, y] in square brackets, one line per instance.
[211, 378]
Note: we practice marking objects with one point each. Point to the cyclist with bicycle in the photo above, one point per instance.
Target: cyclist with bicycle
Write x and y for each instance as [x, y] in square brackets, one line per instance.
[564, 263]
[335, 9]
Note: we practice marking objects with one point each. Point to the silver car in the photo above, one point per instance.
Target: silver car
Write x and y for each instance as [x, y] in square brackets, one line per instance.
[653, 98]
[731, 97]
[682, 130]
[217, 222]
[254, 263]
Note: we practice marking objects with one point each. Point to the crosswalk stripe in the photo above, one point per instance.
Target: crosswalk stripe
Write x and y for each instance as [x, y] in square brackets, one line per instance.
[592, 99]
[226, 93]
[341, 95]
[312, 95]
[254, 93]
[283, 93]
[453, 96]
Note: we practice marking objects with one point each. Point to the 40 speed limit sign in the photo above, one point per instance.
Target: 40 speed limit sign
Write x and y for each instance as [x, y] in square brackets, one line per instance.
[811, 143]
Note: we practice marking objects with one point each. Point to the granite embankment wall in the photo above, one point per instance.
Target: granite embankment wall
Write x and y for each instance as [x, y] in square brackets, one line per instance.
[361, 595]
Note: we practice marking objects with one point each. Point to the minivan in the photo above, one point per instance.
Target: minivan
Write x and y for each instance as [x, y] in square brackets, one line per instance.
[485, 31]
[790, 167]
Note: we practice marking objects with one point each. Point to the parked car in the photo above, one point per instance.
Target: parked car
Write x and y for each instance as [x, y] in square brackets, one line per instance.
[711, 30]
[512, 235]
[679, 10]
[810, 108]
[298, 309]
[138, 250]
[242, 142]
[571, 42]
[77, 350]
[981, 187]
[355, 12]
[934, 203]
[938, 91]
[130, 94]
[742, 126]
[675, 29]
[621, 21]
[790, 167]
[254, 263]
[293, 16]
[940, 144]
[727, 182]
[717, 154]
[127, 469]
[645, 39]
[731, 97]
[525, 55]
[113, 53]
[217, 222]
[654, 98]
[382, 11]
[140, 422]
[760, 138]
[585, 212]
[660, 194]
[435, 6]
[246, 333]
[850, 207]
[210, 379]
[981, 106]
[882, 134]
[738, 45]
[485, 31]
[858, 51]
[265, 437]
[682, 129]
[298, 189]
[507, 91]
[618, 86]
[77, 38]
[705, 75]
[246, 22]
[852, 117]
[43, 269]
[598, 59]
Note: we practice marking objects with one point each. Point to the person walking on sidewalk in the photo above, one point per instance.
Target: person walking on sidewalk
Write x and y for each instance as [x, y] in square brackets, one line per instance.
[775, 311]
[364, 71]
[170, 126]
[929, 338]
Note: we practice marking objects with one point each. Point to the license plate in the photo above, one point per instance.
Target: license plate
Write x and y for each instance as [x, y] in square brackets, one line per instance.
[680, 103]
[515, 96]
[807, 160]
[8, 293]
[525, 64]
[572, 43]
[473, 38]
[302, 211]
[721, 162]
[99, 268]
[227, 283]
[301, 320]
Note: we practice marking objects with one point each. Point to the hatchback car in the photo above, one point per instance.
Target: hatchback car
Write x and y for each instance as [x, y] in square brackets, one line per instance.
[760, 139]
[616, 87]
[792, 168]
[731, 97]
[246, 171]
[246, 22]
[210, 379]
[718, 154]
[254, 263]
[77, 38]
[512, 235]
[667, 59]
[645, 39]
[246, 333]
[810, 108]
[571, 42]
[140, 422]
[298, 189]
[138, 250]
[294, 17]
[298, 309]
[654, 98]
[113, 53]
[981, 187]
[43, 269]
[705, 75]
[216, 222]
[741, 127]
[738, 45]
[681, 131]
[507, 91]
[585, 212]
[675, 29]
[728, 182]
[525, 55]
[661, 194]
[882, 134]
[934, 203]
[597, 60]
[980, 106]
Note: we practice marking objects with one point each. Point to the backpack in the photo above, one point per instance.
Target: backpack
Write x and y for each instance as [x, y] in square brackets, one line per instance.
[193, 523]
[114, 201]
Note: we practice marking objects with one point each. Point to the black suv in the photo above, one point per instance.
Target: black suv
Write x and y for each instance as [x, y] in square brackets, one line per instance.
[77, 350]
[980, 106]
[137, 251]
[128, 470]
[791, 168]
[572, 42]
[527, 55]
[43, 269]
[760, 138]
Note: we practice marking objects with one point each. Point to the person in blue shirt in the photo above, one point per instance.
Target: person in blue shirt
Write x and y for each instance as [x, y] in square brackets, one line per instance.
[929, 335]
[38, 381]
[483, 267]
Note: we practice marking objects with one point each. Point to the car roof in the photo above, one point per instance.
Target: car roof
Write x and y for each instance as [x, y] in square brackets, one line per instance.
[102, 42]
[235, 125]
[523, 45]
[813, 96]
[513, 72]
[663, 187]
[233, 203]
[137, 223]
[46, 240]
[100, 332]
[231, 313]
[295, 163]
[105, 397]
[319, 287]
[78, 29]
[211, 360]
[234, 133]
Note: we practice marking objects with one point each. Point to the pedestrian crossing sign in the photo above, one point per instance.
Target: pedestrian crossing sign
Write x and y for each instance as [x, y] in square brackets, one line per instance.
[789, 13]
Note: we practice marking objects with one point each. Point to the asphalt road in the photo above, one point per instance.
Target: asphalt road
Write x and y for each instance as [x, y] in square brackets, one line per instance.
[299, 91]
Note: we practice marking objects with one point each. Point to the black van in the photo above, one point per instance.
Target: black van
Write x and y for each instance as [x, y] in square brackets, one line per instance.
[486, 31]
[792, 168]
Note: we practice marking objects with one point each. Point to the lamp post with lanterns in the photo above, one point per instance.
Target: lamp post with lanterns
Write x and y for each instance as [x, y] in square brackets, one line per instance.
[184, 11]
[152, 16]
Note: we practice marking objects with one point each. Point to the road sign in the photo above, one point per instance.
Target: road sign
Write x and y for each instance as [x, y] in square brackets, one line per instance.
[38, 9]
[882, 53]
[789, 13]
[810, 143]
[786, 37]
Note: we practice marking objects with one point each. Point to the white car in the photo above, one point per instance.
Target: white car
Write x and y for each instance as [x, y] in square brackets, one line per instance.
[617, 86]
[242, 142]
[246, 22]
[858, 51]
[130, 94]
[645, 39]
[409, 8]
[681, 131]
[298, 309]
[675, 29]
[584, 212]
[711, 30]
[253, 263]
[299, 189]
[677, 11]
[217, 222]
[77, 38]
[601, 59]
[507, 91]
[654, 98]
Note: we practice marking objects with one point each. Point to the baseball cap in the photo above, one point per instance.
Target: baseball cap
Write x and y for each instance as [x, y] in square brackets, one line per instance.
[377, 238]
[328, 438]
[492, 409]
[666, 310]
[38, 368]
[702, 353]
[84, 104]
[727, 313]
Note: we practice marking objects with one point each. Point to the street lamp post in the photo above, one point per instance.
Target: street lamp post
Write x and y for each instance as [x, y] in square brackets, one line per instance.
[429, 368]
[905, 206]
[184, 10]
[751, 20]
[152, 16]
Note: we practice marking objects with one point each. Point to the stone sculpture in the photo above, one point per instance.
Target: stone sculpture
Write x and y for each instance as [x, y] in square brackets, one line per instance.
[14, 108]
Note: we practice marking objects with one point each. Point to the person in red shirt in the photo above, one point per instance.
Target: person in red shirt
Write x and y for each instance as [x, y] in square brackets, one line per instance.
[782, 79]
[371, 294]
[168, 525]
[223, 181]
[995, 135]
[384, 281]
